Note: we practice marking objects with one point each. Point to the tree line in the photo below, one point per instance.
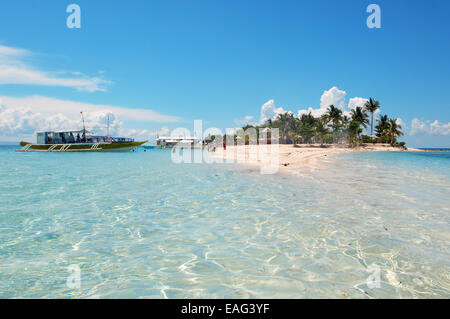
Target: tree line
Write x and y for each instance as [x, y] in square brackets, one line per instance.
[335, 127]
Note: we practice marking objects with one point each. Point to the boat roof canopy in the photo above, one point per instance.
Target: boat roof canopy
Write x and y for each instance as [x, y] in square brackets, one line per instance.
[70, 131]
[178, 138]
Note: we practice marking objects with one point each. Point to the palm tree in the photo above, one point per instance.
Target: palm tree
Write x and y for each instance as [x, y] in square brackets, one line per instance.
[334, 115]
[371, 106]
[305, 127]
[345, 120]
[381, 128]
[359, 116]
[321, 130]
[286, 123]
[353, 132]
[394, 130]
[383, 123]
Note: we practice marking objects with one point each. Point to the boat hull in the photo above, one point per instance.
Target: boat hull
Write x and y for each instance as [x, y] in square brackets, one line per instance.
[80, 147]
[166, 147]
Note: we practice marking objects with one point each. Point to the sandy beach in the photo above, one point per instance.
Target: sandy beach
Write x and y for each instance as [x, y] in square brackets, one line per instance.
[288, 157]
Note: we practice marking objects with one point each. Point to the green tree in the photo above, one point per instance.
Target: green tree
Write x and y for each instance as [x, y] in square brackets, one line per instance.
[306, 127]
[321, 130]
[394, 130]
[334, 115]
[353, 132]
[371, 106]
[345, 120]
[381, 128]
[286, 124]
[359, 116]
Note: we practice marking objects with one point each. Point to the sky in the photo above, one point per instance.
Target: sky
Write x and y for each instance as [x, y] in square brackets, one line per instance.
[154, 66]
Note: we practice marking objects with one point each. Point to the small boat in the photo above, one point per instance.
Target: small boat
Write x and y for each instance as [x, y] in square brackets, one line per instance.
[168, 142]
[78, 141]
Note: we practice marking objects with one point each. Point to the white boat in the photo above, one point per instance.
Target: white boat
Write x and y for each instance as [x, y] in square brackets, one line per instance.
[168, 142]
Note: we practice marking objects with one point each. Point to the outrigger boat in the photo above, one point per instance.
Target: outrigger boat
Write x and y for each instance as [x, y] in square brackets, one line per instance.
[78, 141]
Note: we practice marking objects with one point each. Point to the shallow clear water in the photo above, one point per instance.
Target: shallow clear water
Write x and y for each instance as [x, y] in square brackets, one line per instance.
[138, 225]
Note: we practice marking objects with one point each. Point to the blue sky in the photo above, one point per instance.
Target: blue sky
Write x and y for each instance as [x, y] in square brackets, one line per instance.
[220, 61]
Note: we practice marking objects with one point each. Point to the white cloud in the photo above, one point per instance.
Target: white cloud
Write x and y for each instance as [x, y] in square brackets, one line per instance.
[51, 105]
[333, 96]
[150, 136]
[25, 116]
[24, 121]
[10, 54]
[244, 121]
[354, 102]
[429, 128]
[14, 69]
[314, 112]
[270, 112]
[164, 131]
[402, 123]
[135, 133]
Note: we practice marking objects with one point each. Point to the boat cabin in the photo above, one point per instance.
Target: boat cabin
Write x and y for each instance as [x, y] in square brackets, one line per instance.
[76, 136]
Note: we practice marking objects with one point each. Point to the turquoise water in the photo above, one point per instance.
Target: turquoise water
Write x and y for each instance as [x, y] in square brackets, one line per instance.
[138, 225]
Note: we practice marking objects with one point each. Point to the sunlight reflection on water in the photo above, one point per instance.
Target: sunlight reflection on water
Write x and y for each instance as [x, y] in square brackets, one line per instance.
[141, 226]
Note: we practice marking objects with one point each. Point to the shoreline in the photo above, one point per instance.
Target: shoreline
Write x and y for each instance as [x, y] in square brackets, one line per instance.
[292, 156]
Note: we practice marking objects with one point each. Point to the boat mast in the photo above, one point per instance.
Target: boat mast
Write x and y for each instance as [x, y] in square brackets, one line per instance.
[107, 134]
[84, 127]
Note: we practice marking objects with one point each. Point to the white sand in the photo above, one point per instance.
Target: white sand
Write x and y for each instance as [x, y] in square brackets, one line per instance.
[290, 157]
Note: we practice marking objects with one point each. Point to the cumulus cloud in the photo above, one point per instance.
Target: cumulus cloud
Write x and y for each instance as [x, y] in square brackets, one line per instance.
[314, 112]
[150, 136]
[244, 121]
[51, 106]
[270, 112]
[24, 121]
[14, 69]
[429, 127]
[354, 102]
[335, 97]
[25, 116]
[402, 123]
[164, 131]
